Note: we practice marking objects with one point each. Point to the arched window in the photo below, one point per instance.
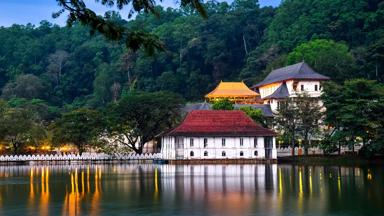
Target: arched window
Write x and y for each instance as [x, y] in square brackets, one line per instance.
[223, 153]
[255, 153]
[205, 153]
[191, 154]
[241, 153]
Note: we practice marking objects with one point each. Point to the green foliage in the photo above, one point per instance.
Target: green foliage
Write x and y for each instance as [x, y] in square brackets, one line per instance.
[114, 30]
[25, 86]
[18, 128]
[355, 111]
[326, 57]
[222, 104]
[255, 114]
[286, 121]
[309, 116]
[81, 127]
[298, 117]
[138, 117]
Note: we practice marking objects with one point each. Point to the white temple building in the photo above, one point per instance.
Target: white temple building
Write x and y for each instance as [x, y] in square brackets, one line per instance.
[290, 81]
[218, 134]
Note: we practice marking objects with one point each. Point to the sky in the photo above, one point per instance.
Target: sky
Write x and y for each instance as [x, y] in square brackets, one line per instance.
[33, 11]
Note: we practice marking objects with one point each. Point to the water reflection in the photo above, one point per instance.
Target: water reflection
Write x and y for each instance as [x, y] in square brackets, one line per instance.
[190, 190]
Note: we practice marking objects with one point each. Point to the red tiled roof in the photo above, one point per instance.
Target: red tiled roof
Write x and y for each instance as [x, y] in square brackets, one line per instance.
[219, 123]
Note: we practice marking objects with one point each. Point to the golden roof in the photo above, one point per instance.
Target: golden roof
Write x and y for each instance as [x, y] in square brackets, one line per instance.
[231, 89]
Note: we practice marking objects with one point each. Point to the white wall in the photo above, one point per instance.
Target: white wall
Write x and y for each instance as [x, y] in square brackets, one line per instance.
[214, 148]
[309, 88]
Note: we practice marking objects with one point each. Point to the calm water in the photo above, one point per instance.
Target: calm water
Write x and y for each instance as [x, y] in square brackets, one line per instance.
[191, 190]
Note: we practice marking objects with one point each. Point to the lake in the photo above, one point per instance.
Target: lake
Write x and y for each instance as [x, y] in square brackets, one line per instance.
[147, 189]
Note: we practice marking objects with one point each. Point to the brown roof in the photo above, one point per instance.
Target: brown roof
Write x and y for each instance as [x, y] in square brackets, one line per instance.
[219, 123]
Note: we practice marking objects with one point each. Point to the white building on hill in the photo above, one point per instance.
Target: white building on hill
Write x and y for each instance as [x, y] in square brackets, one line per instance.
[289, 82]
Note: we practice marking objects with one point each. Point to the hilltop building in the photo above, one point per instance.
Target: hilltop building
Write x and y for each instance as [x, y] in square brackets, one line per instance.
[218, 135]
[288, 82]
[237, 92]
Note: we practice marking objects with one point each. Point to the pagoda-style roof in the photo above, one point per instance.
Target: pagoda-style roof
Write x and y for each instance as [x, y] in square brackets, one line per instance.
[231, 90]
[279, 93]
[299, 71]
[228, 123]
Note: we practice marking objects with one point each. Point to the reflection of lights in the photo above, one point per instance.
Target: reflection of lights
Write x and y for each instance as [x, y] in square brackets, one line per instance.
[156, 182]
[310, 181]
[300, 182]
[280, 181]
[82, 182]
[369, 175]
[339, 184]
[31, 188]
[44, 199]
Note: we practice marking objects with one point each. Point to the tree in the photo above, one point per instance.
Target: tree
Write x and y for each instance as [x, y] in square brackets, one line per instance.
[354, 113]
[26, 86]
[55, 65]
[327, 57]
[223, 104]
[134, 39]
[286, 120]
[19, 128]
[138, 117]
[309, 117]
[255, 114]
[81, 127]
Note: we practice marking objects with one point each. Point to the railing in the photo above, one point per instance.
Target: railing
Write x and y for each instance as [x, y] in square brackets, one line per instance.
[283, 152]
[83, 157]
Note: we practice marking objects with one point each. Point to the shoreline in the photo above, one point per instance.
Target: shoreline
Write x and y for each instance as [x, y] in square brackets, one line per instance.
[312, 160]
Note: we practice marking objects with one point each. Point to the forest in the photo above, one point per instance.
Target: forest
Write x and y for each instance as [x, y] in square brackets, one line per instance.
[52, 69]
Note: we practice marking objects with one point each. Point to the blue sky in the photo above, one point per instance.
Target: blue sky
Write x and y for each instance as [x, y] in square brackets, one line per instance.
[33, 11]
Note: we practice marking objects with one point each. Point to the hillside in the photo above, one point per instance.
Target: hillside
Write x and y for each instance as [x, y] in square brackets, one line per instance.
[68, 67]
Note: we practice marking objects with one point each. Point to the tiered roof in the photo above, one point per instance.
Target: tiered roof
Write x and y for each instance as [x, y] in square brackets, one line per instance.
[279, 93]
[219, 123]
[299, 71]
[231, 90]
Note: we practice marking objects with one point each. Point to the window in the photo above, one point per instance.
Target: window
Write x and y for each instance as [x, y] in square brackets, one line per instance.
[255, 153]
[241, 153]
[191, 154]
[205, 153]
[315, 87]
[255, 142]
[223, 142]
[205, 142]
[241, 142]
[223, 153]
[302, 87]
[191, 142]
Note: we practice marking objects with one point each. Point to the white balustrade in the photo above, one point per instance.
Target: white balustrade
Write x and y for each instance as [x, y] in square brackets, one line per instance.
[83, 157]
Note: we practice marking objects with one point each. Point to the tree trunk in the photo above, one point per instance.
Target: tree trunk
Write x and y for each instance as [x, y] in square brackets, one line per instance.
[306, 142]
[15, 148]
[245, 45]
[339, 151]
[81, 148]
[293, 144]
